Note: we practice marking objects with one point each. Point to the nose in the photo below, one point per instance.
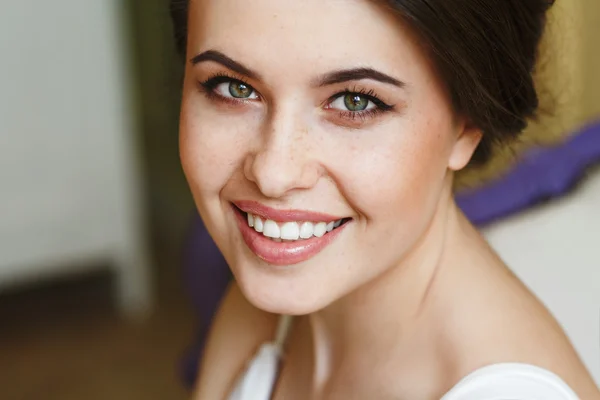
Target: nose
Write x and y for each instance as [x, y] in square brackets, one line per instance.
[285, 158]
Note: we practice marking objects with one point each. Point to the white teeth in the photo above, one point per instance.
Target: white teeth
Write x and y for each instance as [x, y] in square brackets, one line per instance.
[330, 226]
[306, 230]
[271, 229]
[320, 229]
[290, 231]
[258, 225]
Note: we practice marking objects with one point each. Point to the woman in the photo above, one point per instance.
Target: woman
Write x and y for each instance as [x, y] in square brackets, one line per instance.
[320, 139]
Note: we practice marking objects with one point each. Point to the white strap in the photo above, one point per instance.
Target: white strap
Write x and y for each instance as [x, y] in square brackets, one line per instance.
[258, 380]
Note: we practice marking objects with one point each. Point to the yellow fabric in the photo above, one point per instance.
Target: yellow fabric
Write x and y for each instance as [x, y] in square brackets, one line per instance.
[568, 82]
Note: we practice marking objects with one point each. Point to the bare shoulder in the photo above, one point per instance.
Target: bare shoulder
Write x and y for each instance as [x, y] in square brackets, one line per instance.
[503, 322]
[238, 330]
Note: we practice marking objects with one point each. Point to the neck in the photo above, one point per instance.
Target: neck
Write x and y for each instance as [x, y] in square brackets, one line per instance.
[385, 313]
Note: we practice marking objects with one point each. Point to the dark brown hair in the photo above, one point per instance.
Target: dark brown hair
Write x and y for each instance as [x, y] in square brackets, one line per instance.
[484, 50]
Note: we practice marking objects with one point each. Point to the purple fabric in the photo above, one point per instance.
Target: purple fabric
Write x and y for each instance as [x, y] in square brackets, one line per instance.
[205, 271]
[542, 173]
[206, 276]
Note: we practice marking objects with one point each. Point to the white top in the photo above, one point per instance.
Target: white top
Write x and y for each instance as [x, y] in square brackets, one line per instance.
[495, 382]
[511, 381]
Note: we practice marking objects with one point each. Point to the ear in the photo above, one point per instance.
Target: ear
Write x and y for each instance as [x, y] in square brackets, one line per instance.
[467, 141]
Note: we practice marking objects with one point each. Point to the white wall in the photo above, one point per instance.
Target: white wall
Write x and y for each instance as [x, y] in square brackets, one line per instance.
[555, 250]
[69, 185]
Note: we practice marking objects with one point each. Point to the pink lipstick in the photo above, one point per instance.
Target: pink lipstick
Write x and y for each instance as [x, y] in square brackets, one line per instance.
[282, 253]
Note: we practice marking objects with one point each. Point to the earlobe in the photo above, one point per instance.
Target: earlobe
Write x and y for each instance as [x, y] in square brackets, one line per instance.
[464, 147]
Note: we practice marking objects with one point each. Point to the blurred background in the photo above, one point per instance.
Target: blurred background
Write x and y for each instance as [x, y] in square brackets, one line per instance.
[95, 215]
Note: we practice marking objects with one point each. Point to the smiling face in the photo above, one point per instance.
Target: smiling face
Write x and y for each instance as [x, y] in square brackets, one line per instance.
[298, 117]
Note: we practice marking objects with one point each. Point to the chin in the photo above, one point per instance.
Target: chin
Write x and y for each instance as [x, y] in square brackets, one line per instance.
[281, 293]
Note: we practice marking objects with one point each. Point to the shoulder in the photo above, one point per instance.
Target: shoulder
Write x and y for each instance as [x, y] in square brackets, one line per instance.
[502, 323]
[237, 332]
[511, 381]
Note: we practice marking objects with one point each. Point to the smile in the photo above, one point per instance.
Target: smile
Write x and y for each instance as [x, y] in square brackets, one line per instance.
[291, 231]
[286, 237]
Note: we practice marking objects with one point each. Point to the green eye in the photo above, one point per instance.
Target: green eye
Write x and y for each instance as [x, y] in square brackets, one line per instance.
[356, 102]
[240, 90]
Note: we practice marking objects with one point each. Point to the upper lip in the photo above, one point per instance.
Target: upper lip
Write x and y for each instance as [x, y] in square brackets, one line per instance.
[289, 215]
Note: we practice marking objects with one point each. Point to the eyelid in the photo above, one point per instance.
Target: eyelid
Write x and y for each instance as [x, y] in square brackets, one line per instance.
[357, 119]
[369, 94]
[216, 80]
[227, 76]
[209, 85]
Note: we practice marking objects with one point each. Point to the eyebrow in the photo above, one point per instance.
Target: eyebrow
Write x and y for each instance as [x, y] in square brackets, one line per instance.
[331, 78]
[357, 74]
[218, 57]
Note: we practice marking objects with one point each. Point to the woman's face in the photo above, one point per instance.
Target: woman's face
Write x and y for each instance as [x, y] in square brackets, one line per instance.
[307, 115]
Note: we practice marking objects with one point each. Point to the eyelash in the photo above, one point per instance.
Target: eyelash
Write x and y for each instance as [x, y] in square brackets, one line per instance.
[380, 106]
[208, 87]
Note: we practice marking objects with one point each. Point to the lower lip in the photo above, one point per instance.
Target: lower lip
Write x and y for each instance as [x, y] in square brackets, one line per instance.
[283, 253]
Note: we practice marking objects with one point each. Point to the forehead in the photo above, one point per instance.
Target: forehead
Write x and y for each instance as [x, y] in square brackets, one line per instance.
[293, 34]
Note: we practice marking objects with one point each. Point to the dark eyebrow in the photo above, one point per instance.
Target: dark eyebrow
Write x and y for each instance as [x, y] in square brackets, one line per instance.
[357, 74]
[218, 57]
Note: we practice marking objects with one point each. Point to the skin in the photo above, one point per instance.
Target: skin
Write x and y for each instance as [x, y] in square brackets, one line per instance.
[408, 294]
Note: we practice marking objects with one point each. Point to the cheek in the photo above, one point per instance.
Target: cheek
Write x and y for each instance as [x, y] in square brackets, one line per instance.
[399, 177]
[211, 147]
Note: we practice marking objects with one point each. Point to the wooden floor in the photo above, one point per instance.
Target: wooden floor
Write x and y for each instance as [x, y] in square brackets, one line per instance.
[65, 342]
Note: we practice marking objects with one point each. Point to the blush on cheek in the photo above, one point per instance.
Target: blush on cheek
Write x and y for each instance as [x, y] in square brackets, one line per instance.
[397, 181]
[206, 164]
